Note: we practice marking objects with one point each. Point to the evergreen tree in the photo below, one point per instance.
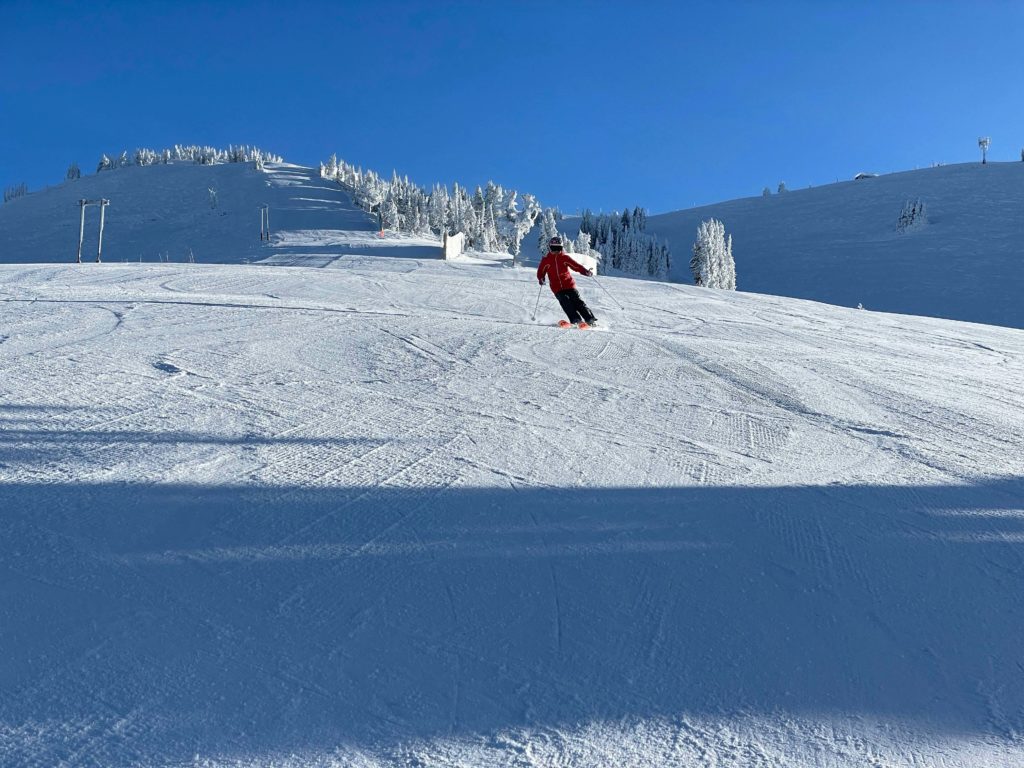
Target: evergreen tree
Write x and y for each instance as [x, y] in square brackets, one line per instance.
[712, 263]
[548, 229]
[389, 214]
[913, 215]
[583, 243]
[16, 191]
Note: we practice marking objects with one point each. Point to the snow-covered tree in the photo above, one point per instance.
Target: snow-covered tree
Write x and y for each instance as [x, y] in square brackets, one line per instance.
[582, 244]
[913, 216]
[621, 240]
[712, 263]
[782, 187]
[520, 222]
[587, 221]
[194, 154]
[389, 214]
[74, 172]
[490, 217]
[766, 192]
[15, 191]
[144, 157]
[548, 229]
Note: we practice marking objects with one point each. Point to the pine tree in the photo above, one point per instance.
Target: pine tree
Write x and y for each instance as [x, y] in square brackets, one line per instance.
[548, 230]
[712, 263]
[16, 191]
[913, 216]
[583, 243]
[587, 221]
[389, 214]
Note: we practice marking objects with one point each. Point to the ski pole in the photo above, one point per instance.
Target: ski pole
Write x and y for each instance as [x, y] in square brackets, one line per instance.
[608, 292]
[539, 289]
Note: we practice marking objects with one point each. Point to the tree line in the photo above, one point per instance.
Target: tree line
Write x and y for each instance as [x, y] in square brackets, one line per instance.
[496, 220]
[199, 155]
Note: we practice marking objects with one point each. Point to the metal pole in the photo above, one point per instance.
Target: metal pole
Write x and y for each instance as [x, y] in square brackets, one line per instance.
[99, 247]
[267, 208]
[81, 230]
[606, 291]
[539, 289]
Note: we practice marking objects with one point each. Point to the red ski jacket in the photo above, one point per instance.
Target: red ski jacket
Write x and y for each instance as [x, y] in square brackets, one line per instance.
[556, 267]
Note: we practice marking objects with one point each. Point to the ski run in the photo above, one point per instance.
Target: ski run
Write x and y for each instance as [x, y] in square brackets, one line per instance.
[351, 507]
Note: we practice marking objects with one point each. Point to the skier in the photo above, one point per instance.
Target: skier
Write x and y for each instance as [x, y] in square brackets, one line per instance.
[556, 266]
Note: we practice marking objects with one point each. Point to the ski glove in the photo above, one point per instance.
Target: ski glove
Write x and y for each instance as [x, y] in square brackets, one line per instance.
[540, 282]
[590, 273]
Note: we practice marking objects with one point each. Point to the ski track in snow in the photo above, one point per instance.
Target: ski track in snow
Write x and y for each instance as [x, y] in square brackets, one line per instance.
[372, 515]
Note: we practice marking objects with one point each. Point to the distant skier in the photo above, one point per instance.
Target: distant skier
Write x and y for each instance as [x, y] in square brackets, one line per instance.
[556, 266]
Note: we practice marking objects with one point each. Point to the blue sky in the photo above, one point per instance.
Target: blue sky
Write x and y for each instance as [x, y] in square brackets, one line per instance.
[598, 104]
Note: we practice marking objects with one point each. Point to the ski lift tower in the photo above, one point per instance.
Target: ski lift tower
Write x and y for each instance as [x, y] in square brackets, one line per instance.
[264, 221]
[983, 144]
[83, 204]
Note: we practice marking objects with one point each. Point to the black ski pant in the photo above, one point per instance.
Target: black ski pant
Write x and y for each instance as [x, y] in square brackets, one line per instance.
[574, 307]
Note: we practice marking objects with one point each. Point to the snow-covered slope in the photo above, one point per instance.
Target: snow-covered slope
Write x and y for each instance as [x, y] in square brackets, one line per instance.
[836, 243]
[839, 244]
[372, 515]
[164, 213]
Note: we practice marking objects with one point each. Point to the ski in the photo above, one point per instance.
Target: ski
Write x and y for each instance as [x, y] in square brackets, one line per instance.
[579, 326]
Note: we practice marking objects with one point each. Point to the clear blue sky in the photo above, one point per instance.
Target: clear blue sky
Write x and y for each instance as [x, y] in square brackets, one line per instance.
[599, 104]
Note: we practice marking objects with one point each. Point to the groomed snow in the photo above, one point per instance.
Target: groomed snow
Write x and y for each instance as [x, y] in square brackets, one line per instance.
[838, 243]
[372, 515]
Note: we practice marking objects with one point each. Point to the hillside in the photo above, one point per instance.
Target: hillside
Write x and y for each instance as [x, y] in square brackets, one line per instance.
[838, 243]
[371, 515]
[163, 213]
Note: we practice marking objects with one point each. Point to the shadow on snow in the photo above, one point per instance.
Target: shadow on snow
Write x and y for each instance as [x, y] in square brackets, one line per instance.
[228, 620]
